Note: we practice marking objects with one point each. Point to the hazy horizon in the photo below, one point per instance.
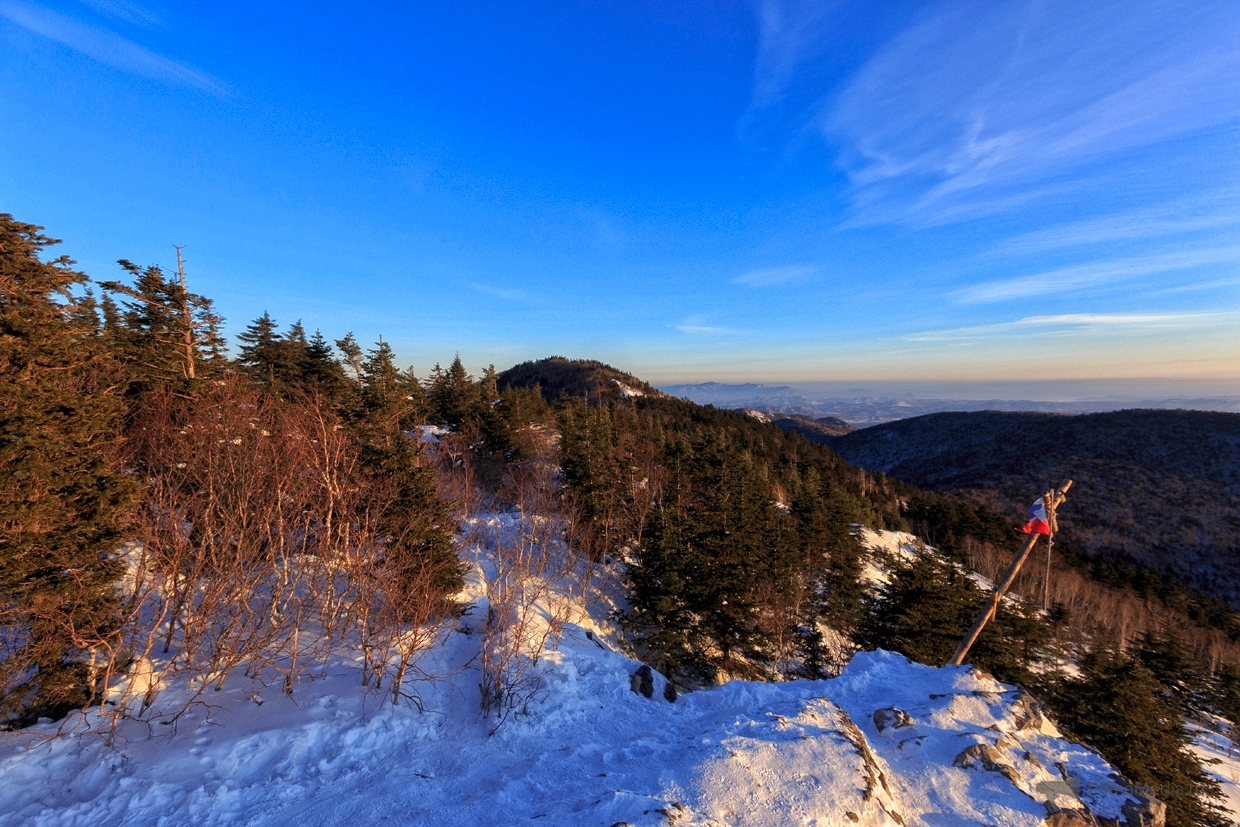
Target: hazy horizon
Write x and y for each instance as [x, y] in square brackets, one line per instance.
[1053, 391]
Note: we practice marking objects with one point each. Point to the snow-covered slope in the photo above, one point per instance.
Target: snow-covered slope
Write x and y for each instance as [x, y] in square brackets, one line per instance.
[1220, 759]
[886, 742]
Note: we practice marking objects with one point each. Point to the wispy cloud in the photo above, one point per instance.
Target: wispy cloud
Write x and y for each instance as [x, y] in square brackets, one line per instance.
[700, 329]
[697, 326]
[976, 102]
[775, 276]
[514, 294]
[109, 48]
[792, 36]
[1211, 211]
[1076, 322]
[125, 10]
[790, 33]
[1093, 275]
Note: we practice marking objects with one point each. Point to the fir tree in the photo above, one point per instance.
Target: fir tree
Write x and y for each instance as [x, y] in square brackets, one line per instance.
[166, 333]
[928, 605]
[589, 469]
[62, 501]
[832, 556]
[660, 590]
[922, 611]
[524, 411]
[1120, 709]
[353, 356]
[383, 392]
[110, 326]
[1225, 693]
[281, 362]
[321, 370]
[417, 524]
[453, 395]
[715, 552]
[1169, 661]
[211, 346]
[493, 427]
[260, 345]
[294, 355]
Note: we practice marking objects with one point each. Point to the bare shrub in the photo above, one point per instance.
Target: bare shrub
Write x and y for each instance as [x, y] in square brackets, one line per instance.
[458, 473]
[780, 607]
[258, 548]
[526, 609]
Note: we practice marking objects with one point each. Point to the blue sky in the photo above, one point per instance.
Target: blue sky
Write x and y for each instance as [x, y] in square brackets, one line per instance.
[773, 191]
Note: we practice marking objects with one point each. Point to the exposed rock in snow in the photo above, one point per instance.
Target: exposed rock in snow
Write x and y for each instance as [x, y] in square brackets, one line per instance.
[642, 681]
[891, 716]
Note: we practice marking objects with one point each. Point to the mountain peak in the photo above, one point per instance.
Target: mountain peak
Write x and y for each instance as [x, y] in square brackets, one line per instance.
[595, 381]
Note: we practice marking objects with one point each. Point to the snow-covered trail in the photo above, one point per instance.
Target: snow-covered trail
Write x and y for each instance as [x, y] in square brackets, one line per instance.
[887, 742]
[592, 753]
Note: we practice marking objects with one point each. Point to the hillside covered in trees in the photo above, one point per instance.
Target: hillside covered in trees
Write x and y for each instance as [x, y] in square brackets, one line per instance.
[1158, 488]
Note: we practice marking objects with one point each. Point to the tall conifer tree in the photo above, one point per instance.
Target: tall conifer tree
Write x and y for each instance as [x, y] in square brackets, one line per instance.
[417, 523]
[322, 370]
[62, 500]
[716, 544]
[1119, 708]
[166, 333]
[453, 395]
[260, 343]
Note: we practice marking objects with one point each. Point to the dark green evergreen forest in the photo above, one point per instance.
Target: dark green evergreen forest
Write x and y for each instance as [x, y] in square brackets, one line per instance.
[157, 487]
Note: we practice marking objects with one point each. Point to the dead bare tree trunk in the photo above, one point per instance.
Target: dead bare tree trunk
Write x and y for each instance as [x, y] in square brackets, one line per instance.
[187, 316]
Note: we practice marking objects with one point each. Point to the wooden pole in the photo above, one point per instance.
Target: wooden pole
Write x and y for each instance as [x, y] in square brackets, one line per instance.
[992, 604]
[1046, 579]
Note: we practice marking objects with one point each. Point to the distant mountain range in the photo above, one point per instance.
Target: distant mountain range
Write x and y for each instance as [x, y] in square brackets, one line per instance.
[868, 410]
[1156, 487]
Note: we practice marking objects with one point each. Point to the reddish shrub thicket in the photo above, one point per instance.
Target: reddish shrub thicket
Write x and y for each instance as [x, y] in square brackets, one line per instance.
[258, 546]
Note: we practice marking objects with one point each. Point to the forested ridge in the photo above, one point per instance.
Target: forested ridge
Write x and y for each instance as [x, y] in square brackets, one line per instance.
[163, 498]
[1156, 488]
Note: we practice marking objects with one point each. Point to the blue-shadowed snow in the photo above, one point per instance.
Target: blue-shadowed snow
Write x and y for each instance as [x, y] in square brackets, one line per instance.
[888, 741]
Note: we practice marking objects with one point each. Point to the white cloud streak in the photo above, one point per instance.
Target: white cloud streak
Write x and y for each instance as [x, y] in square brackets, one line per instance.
[775, 276]
[976, 103]
[124, 10]
[1076, 322]
[515, 294]
[1202, 214]
[109, 48]
[697, 326]
[790, 33]
[701, 330]
[1094, 275]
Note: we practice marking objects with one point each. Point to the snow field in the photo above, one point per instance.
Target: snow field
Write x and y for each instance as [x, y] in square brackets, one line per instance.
[886, 742]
